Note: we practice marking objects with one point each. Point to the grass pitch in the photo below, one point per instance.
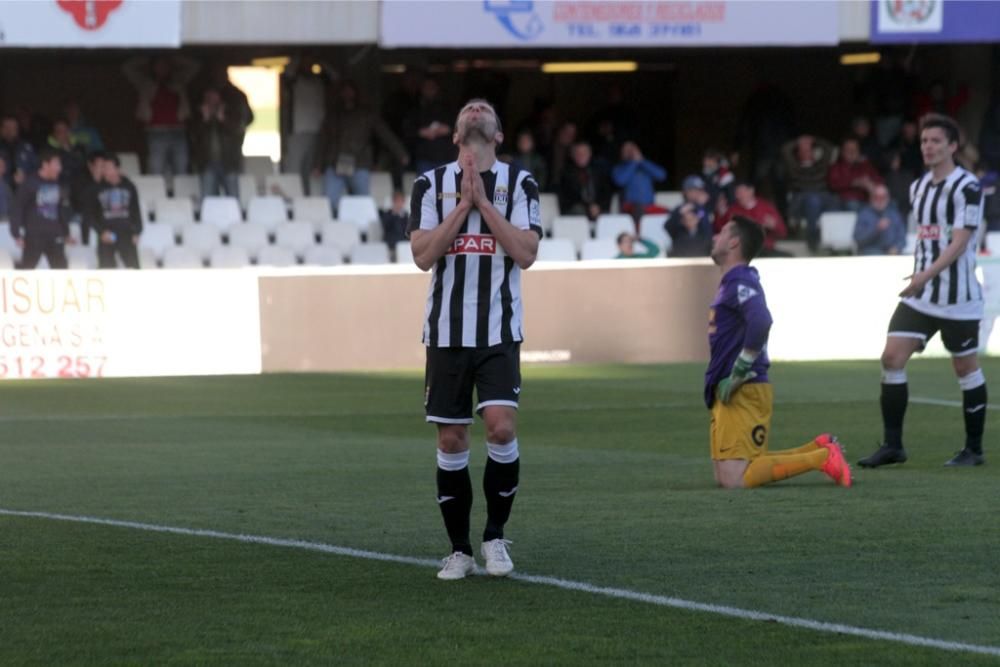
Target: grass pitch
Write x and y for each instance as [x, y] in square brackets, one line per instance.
[616, 491]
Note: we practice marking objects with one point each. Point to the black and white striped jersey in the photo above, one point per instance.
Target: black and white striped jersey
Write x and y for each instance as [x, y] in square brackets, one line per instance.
[474, 298]
[938, 209]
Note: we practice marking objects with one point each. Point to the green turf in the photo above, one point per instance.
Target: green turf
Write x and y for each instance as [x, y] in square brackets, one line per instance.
[616, 491]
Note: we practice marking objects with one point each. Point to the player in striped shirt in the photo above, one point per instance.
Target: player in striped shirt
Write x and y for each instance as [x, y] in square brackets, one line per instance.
[476, 223]
[943, 294]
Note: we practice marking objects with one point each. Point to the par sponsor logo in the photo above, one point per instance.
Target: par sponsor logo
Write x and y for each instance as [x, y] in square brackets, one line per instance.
[473, 244]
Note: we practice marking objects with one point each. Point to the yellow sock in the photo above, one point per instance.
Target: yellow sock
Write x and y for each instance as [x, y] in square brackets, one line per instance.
[780, 465]
[810, 446]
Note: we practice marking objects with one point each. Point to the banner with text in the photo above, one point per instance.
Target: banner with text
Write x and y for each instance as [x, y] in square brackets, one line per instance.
[73, 324]
[90, 23]
[945, 21]
[589, 23]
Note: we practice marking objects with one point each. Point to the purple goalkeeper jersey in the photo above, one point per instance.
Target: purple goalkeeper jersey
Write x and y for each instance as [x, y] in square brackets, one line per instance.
[737, 319]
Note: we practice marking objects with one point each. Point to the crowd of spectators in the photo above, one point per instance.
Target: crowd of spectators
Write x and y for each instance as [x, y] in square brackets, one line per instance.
[784, 182]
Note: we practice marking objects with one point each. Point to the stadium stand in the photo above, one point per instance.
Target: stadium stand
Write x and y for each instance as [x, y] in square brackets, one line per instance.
[651, 228]
[173, 212]
[158, 238]
[604, 248]
[836, 230]
[342, 235]
[129, 164]
[221, 212]
[276, 256]
[609, 226]
[575, 228]
[403, 253]
[229, 257]
[319, 255]
[269, 211]
[669, 199]
[251, 236]
[370, 253]
[179, 257]
[201, 239]
[296, 236]
[362, 212]
[556, 250]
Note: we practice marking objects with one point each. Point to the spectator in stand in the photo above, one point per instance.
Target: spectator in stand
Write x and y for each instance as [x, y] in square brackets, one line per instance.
[861, 129]
[34, 127]
[717, 176]
[636, 176]
[85, 136]
[690, 231]
[117, 218]
[612, 125]
[163, 109]
[395, 106]
[429, 129]
[852, 177]
[19, 154]
[83, 193]
[346, 152]
[908, 146]
[71, 156]
[562, 145]
[6, 194]
[394, 221]
[807, 160]
[695, 191]
[880, 229]
[937, 100]
[39, 218]
[305, 84]
[528, 158]
[627, 247]
[761, 211]
[898, 180]
[990, 179]
[967, 155]
[585, 188]
[217, 145]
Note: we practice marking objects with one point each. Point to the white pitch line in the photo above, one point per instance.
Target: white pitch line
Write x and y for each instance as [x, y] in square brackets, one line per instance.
[947, 404]
[565, 584]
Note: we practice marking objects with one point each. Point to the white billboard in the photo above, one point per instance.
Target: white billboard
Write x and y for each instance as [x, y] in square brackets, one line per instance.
[78, 324]
[597, 23]
[90, 23]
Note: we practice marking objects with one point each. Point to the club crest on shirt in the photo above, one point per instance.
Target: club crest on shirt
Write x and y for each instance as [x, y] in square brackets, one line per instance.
[500, 196]
[745, 293]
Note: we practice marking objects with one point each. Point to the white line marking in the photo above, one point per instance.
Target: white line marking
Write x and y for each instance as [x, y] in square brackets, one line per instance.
[947, 404]
[565, 584]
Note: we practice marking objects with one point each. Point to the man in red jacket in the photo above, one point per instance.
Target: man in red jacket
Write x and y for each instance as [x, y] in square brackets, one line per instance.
[852, 177]
[761, 211]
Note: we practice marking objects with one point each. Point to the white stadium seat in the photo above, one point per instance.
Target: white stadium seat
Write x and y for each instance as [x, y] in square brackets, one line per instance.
[312, 209]
[174, 213]
[609, 226]
[599, 249]
[179, 257]
[360, 210]
[147, 260]
[296, 236]
[221, 212]
[992, 242]
[229, 257]
[342, 235]
[320, 255]
[201, 239]
[575, 228]
[286, 186]
[150, 187]
[836, 230]
[251, 236]
[81, 257]
[404, 253]
[316, 186]
[669, 199]
[157, 239]
[548, 204]
[651, 227]
[269, 211]
[248, 189]
[6, 261]
[276, 256]
[370, 253]
[8, 243]
[556, 250]
[380, 188]
[129, 164]
[186, 186]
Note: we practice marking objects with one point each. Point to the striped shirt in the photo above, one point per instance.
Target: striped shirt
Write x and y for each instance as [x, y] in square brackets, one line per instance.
[474, 299]
[938, 210]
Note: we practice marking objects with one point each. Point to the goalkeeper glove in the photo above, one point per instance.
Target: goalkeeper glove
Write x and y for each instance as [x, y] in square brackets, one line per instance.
[738, 377]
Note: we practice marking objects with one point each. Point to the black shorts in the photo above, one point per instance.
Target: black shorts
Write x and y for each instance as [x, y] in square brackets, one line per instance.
[452, 372]
[960, 337]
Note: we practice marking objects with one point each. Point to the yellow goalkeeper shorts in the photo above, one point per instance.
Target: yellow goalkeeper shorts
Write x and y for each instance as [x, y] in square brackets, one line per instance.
[740, 429]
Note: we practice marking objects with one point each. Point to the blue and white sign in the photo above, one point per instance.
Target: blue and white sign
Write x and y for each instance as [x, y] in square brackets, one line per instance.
[939, 21]
[603, 23]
